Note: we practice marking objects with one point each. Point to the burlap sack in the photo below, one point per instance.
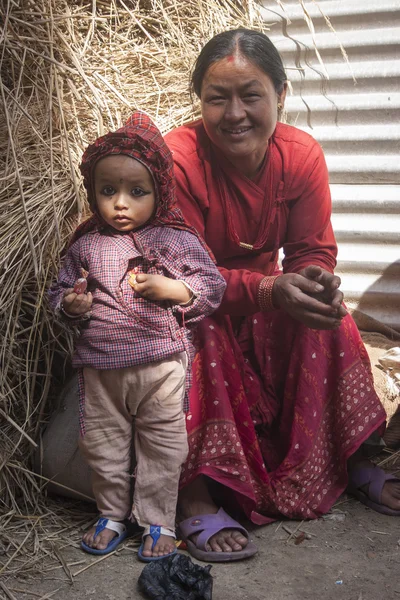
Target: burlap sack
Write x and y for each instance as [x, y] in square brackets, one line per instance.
[59, 458]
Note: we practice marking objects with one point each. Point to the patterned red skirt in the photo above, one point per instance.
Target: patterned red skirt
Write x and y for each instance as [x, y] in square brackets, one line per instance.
[276, 409]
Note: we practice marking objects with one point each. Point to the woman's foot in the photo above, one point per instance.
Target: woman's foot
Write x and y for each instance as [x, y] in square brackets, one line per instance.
[391, 436]
[390, 495]
[164, 545]
[195, 500]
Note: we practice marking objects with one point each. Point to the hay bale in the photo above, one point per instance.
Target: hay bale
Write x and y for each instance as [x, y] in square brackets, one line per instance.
[71, 71]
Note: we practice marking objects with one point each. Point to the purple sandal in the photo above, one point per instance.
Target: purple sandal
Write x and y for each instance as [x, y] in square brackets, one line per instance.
[208, 525]
[376, 478]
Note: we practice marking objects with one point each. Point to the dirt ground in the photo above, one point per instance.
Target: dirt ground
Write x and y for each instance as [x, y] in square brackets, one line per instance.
[353, 554]
[354, 558]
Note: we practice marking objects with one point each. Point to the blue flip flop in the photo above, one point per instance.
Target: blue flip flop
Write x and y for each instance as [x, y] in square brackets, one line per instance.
[116, 526]
[154, 531]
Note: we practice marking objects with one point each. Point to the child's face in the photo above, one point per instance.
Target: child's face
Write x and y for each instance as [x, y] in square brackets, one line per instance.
[124, 189]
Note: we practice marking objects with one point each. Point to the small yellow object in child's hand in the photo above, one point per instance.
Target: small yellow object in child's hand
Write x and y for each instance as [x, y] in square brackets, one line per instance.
[132, 277]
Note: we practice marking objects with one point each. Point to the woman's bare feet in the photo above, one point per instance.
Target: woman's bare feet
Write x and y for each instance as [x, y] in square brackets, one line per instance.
[194, 500]
[101, 541]
[164, 545]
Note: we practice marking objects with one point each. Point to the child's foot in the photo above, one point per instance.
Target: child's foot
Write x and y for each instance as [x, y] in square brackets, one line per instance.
[101, 541]
[164, 545]
[107, 531]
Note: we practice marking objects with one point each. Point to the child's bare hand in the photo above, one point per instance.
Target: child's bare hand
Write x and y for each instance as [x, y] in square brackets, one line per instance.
[76, 304]
[158, 287]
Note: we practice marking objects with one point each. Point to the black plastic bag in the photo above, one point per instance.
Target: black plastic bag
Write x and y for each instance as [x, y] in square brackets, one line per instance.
[176, 578]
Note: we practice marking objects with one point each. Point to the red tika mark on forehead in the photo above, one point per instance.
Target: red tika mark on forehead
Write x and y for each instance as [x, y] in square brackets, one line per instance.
[230, 58]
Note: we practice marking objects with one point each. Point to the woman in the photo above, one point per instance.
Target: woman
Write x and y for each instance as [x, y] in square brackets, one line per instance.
[283, 396]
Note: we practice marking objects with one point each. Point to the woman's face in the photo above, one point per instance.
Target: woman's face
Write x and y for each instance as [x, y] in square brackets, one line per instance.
[239, 107]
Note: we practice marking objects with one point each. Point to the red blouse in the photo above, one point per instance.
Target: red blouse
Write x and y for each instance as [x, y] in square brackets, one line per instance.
[296, 201]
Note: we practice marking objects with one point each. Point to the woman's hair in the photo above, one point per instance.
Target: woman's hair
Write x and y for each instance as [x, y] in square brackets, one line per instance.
[253, 45]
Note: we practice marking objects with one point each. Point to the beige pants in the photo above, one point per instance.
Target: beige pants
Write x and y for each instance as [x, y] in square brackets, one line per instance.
[143, 402]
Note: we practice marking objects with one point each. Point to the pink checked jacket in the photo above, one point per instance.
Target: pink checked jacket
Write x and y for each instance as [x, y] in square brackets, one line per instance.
[124, 329]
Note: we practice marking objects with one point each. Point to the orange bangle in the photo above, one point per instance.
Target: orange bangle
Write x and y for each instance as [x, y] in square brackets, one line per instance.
[264, 294]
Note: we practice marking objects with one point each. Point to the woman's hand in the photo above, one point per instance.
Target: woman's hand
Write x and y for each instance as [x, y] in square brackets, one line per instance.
[74, 304]
[311, 297]
[330, 294]
[158, 287]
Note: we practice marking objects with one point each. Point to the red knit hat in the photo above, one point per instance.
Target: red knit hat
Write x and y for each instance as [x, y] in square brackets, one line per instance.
[141, 140]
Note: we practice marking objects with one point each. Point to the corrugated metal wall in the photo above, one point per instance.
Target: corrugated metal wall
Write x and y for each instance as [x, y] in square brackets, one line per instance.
[355, 115]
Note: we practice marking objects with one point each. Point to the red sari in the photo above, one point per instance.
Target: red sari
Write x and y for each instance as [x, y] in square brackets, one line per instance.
[276, 408]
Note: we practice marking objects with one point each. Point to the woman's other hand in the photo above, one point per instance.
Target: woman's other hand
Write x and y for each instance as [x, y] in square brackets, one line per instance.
[74, 304]
[331, 294]
[311, 297]
[158, 287]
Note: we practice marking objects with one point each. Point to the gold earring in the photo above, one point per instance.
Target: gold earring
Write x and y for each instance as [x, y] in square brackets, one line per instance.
[280, 106]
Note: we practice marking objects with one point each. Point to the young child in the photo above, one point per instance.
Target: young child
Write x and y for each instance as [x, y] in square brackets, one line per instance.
[149, 280]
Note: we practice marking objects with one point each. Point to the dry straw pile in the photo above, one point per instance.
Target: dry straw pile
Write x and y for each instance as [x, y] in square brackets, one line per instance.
[70, 71]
